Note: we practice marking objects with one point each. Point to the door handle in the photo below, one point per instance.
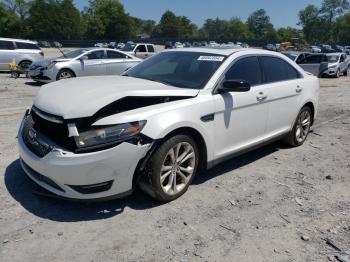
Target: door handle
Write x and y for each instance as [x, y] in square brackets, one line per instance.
[298, 89]
[261, 97]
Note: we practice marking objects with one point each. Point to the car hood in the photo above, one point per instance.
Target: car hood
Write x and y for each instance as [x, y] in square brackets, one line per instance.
[83, 97]
[46, 62]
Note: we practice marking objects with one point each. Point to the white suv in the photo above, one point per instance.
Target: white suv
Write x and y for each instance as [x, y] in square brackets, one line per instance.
[22, 52]
[164, 121]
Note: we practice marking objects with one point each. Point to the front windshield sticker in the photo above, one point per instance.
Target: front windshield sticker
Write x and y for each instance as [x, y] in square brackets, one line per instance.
[211, 58]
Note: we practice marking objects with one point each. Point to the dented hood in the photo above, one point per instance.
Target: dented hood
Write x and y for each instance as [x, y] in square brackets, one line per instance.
[83, 97]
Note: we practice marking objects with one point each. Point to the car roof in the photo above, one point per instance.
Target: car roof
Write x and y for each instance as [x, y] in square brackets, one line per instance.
[216, 51]
[18, 40]
[335, 53]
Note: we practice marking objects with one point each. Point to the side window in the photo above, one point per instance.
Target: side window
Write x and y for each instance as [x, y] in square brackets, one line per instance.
[115, 55]
[96, 55]
[247, 69]
[276, 69]
[6, 45]
[342, 59]
[311, 59]
[150, 48]
[141, 49]
[21, 45]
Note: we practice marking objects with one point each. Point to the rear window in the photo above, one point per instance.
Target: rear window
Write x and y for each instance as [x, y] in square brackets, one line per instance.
[21, 45]
[6, 45]
[276, 70]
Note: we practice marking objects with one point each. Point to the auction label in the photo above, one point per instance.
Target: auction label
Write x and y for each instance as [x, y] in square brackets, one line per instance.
[211, 58]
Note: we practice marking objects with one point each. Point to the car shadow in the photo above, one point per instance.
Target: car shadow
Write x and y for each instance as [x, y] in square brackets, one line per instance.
[23, 190]
[34, 83]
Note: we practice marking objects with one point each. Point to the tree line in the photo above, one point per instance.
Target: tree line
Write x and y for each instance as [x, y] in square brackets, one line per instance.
[107, 20]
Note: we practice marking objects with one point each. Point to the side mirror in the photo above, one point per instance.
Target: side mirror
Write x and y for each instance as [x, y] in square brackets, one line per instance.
[234, 86]
[84, 57]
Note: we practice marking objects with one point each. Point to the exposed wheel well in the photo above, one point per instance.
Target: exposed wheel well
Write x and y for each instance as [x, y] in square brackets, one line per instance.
[25, 60]
[312, 107]
[202, 148]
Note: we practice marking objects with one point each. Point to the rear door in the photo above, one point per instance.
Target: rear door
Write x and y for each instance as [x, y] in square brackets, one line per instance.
[116, 62]
[283, 85]
[95, 64]
[7, 54]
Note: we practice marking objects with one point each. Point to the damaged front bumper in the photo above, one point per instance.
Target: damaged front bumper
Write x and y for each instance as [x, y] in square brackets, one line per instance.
[93, 175]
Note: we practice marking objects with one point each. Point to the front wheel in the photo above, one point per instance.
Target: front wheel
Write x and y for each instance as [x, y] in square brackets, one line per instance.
[171, 169]
[64, 74]
[300, 129]
[337, 74]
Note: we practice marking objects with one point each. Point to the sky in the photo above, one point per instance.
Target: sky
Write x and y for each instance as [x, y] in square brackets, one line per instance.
[283, 13]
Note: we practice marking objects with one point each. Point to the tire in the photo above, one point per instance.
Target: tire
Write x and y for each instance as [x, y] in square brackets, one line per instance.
[159, 183]
[64, 74]
[346, 72]
[337, 75]
[300, 131]
[25, 64]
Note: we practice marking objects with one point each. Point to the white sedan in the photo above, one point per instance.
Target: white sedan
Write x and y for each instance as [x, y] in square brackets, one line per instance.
[165, 120]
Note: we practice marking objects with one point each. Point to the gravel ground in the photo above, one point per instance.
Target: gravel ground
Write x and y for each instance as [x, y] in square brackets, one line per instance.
[273, 204]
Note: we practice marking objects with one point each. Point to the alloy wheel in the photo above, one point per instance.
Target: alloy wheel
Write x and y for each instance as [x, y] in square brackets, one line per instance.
[65, 75]
[177, 168]
[303, 126]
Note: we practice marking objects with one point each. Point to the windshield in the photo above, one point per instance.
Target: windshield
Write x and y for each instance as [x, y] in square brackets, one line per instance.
[291, 56]
[180, 69]
[332, 58]
[73, 54]
[128, 47]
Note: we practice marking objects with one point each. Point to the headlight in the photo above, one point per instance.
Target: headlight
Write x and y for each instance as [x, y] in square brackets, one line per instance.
[51, 65]
[108, 134]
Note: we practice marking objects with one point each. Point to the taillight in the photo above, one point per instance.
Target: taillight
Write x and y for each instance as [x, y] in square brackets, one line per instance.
[41, 53]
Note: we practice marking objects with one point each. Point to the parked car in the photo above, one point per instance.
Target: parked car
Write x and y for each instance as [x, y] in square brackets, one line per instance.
[327, 49]
[56, 44]
[337, 64]
[178, 45]
[204, 43]
[120, 45]
[187, 44]
[196, 44]
[83, 62]
[163, 122]
[347, 50]
[271, 47]
[213, 44]
[44, 44]
[315, 49]
[112, 45]
[139, 50]
[168, 45]
[22, 52]
[101, 45]
[312, 63]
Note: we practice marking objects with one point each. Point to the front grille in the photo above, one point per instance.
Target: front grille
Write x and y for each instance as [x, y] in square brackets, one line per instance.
[57, 132]
[42, 178]
[30, 139]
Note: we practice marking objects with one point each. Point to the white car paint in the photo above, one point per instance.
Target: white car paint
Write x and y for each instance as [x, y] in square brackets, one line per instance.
[241, 121]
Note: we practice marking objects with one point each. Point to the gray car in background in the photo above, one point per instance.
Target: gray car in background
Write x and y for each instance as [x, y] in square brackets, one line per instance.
[338, 64]
[308, 61]
[21, 52]
[83, 62]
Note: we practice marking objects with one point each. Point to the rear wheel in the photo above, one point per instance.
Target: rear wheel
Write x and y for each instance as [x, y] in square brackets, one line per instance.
[337, 74]
[64, 74]
[171, 169]
[346, 72]
[300, 129]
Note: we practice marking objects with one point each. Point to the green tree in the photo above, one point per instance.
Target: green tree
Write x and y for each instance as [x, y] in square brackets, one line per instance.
[49, 19]
[260, 26]
[287, 33]
[106, 19]
[216, 28]
[236, 30]
[343, 29]
[312, 24]
[10, 24]
[168, 26]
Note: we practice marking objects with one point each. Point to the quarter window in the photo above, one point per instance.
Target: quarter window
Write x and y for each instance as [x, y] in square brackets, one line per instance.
[247, 69]
[276, 69]
[6, 45]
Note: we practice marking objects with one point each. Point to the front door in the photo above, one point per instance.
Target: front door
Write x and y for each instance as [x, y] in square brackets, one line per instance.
[241, 117]
[94, 64]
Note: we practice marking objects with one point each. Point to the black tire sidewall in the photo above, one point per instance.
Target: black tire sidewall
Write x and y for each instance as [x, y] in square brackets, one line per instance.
[156, 162]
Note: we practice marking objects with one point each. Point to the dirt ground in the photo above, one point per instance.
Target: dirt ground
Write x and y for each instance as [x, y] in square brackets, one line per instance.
[253, 208]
